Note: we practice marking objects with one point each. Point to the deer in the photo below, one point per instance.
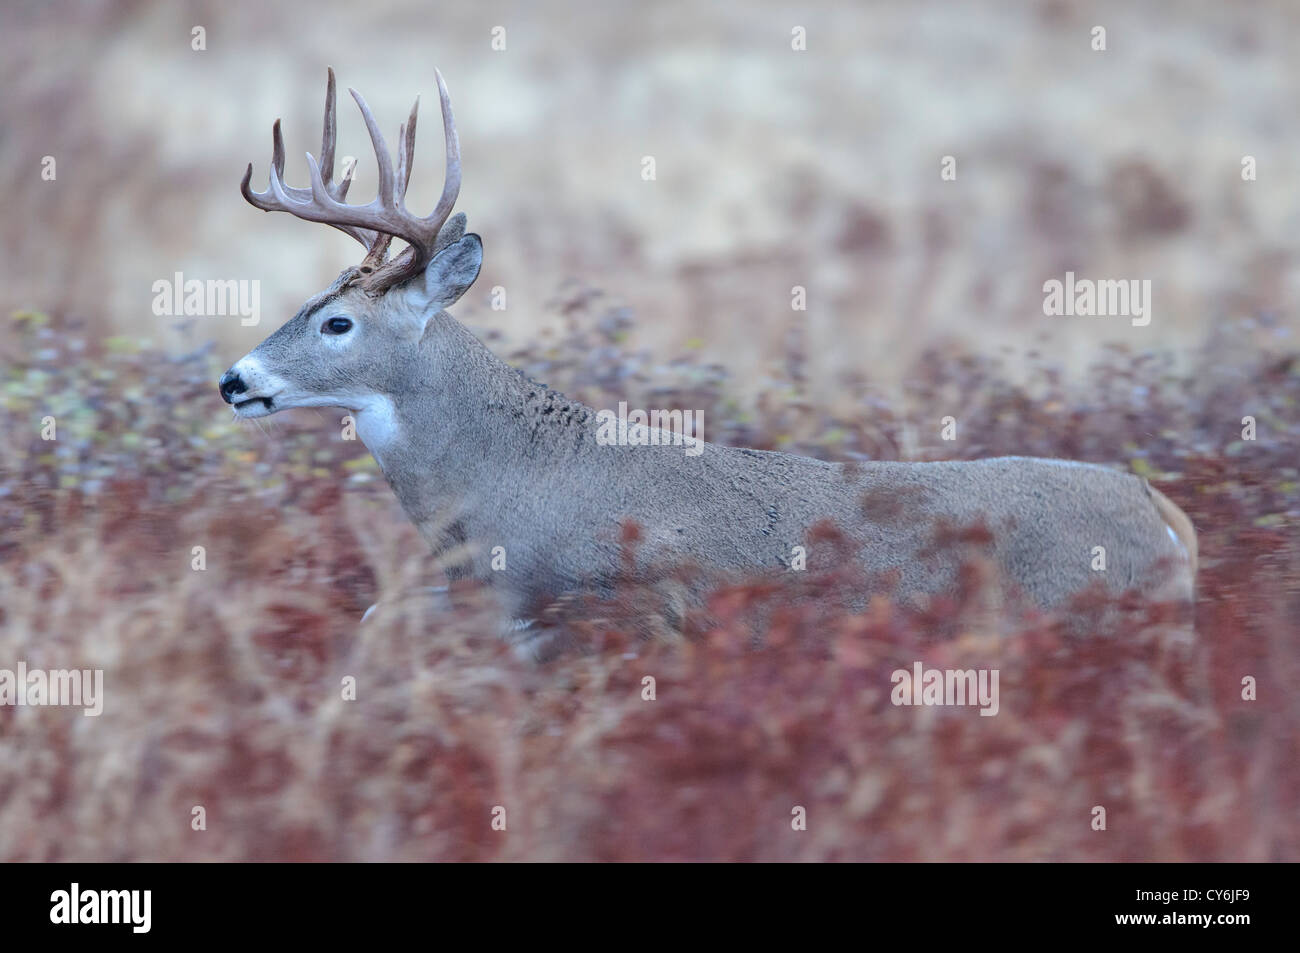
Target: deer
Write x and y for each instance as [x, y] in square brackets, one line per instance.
[483, 459]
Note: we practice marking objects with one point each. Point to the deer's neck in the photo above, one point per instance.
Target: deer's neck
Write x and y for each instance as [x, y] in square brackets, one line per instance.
[465, 430]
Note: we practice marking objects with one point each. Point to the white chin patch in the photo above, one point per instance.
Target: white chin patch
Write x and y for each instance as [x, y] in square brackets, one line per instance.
[254, 407]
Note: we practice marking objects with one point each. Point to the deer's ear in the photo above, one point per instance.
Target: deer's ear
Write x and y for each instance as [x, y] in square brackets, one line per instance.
[451, 273]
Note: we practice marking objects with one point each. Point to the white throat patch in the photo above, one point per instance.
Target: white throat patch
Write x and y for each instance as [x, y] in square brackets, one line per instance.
[377, 425]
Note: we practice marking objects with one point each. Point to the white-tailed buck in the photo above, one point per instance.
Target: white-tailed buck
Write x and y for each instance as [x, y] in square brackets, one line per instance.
[482, 457]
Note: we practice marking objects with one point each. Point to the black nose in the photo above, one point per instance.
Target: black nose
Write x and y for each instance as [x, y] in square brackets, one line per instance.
[230, 385]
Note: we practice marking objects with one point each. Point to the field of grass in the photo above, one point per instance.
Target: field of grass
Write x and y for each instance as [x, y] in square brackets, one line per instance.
[224, 685]
[818, 168]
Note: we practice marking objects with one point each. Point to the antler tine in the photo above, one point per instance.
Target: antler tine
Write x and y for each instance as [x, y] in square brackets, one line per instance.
[260, 199]
[403, 167]
[406, 151]
[345, 183]
[277, 149]
[451, 184]
[330, 129]
[410, 141]
[386, 197]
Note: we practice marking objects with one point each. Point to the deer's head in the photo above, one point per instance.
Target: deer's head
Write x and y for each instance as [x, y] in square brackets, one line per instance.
[352, 345]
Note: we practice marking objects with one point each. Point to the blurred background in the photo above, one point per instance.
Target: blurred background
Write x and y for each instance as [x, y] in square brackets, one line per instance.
[774, 168]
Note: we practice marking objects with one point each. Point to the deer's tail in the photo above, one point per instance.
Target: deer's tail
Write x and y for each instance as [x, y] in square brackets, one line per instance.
[1178, 522]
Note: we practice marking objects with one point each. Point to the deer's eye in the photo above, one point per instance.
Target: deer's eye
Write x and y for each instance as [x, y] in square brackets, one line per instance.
[336, 326]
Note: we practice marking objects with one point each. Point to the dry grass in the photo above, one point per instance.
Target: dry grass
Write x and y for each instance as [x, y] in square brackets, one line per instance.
[775, 168]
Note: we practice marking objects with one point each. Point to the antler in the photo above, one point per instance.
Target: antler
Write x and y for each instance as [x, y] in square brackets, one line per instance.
[379, 221]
